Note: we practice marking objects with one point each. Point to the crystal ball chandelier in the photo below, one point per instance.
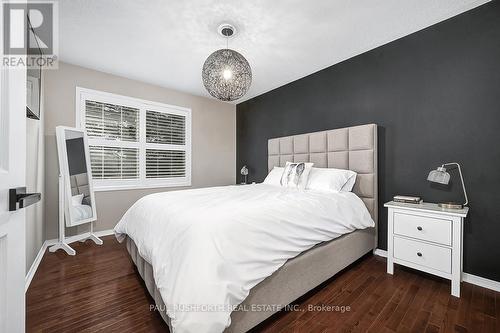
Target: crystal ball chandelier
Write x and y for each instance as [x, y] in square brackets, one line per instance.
[226, 73]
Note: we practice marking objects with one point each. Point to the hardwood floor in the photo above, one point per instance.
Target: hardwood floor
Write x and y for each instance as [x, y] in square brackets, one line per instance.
[99, 290]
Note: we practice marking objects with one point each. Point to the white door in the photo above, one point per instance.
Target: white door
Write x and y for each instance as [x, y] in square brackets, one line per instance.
[12, 174]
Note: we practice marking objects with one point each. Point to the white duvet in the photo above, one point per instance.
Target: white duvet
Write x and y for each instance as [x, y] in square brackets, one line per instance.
[208, 247]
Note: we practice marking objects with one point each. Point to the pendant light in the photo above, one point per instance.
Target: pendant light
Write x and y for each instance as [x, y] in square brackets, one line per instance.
[226, 73]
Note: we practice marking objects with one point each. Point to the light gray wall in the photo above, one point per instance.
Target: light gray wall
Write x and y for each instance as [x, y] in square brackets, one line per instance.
[35, 226]
[213, 137]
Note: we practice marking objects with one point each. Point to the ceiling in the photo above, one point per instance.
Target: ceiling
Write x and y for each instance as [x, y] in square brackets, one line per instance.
[165, 42]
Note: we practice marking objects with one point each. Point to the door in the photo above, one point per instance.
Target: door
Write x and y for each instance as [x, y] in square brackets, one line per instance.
[12, 174]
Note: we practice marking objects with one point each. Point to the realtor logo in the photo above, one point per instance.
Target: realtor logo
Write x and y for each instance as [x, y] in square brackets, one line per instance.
[30, 33]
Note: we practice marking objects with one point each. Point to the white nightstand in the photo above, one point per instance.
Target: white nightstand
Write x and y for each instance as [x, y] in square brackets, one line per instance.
[428, 238]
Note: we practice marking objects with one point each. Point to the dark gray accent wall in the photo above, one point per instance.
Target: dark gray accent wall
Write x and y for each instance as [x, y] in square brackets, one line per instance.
[435, 96]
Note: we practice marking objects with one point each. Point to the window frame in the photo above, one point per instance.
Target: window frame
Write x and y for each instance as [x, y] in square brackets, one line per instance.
[83, 94]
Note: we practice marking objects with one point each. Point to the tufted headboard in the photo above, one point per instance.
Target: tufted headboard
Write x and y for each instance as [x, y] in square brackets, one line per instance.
[353, 148]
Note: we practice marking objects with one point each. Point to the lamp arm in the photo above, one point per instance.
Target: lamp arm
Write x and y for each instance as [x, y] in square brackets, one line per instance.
[461, 179]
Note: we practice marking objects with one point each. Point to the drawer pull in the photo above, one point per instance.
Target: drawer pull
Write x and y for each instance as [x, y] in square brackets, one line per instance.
[419, 228]
[419, 254]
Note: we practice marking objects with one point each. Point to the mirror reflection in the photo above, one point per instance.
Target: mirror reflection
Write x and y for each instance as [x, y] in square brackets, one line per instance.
[77, 177]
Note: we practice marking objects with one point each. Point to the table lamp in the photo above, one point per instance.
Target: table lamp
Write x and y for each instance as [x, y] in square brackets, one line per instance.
[244, 173]
[441, 176]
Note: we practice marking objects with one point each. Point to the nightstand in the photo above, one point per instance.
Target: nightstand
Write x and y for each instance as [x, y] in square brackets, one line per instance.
[428, 238]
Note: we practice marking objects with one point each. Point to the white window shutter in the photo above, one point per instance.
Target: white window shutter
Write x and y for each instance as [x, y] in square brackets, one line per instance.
[135, 143]
[165, 163]
[114, 162]
[111, 122]
[165, 128]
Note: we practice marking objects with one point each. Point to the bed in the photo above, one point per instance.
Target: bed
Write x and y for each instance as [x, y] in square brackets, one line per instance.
[353, 148]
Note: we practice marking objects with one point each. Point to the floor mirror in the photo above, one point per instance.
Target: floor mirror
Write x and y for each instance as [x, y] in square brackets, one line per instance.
[76, 195]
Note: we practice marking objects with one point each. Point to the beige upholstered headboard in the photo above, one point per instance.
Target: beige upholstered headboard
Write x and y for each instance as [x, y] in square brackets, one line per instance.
[353, 148]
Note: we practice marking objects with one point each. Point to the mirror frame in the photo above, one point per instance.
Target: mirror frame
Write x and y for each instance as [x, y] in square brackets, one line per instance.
[64, 171]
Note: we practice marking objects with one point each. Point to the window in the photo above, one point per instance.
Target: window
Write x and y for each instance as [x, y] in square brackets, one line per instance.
[135, 143]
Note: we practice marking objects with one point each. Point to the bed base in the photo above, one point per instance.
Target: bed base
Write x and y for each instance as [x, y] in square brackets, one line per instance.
[294, 279]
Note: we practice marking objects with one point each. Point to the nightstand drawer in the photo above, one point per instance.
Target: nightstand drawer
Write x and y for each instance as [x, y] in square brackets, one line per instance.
[422, 227]
[423, 254]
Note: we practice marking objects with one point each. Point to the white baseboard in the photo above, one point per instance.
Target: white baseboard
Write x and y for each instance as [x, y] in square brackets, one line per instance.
[34, 266]
[466, 277]
[482, 282]
[104, 233]
[380, 252]
[76, 238]
[50, 242]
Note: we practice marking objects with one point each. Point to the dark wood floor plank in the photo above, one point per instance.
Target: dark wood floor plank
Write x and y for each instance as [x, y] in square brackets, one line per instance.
[489, 303]
[425, 288]
[363, 304]
[440, 307]
[421, 322]
[497, 306]
[285, 323]
[383, 296]
[99, 290]
[451, 315]
[403, 306]
[388, 306]
[354, 288]
[337, 318]
[423, 316]
[465, 305]
[476, 317]
[431, 328]
[489, 325]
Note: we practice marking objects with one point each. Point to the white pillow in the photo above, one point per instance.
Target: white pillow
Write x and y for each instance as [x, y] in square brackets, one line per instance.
[296, 174]
[331, 180]
[77, 200]
[274, 176]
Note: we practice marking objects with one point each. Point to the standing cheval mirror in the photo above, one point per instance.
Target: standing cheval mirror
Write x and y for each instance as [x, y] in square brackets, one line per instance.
[76, 194]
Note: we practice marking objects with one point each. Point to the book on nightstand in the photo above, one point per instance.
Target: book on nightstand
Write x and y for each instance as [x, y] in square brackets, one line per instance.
[407, 199]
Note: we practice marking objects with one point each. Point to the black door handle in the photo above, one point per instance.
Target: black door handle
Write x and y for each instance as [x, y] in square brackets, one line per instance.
[18, 198]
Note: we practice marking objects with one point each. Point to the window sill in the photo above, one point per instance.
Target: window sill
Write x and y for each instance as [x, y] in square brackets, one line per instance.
[126, 187]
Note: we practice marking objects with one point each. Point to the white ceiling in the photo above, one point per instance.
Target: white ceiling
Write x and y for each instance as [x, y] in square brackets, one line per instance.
[165, 42]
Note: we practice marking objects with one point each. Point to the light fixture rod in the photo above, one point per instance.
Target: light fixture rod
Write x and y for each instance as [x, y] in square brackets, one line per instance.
[461, 179]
